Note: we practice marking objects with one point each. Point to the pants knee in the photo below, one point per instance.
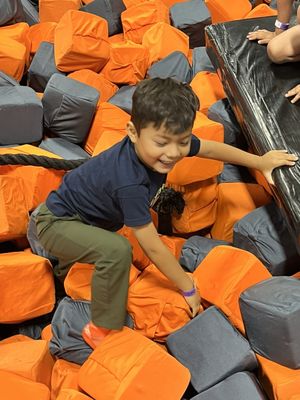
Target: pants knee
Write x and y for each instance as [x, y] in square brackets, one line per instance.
[124, 249]
[119, 251]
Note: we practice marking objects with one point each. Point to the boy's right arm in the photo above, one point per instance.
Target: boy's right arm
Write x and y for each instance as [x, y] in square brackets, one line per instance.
[164, 260]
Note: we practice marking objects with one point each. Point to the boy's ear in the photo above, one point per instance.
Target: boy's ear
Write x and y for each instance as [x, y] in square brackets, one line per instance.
[131, 132]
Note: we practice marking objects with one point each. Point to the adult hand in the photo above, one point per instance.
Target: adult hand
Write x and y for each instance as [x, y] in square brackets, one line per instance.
[295, 93]
[262, 36]
[273, 159]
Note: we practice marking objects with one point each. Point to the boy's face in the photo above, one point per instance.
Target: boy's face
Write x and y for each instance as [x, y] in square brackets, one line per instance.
[159, 149]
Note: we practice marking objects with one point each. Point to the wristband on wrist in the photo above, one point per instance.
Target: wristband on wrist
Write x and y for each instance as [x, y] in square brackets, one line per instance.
[281, 25]
[188, 293]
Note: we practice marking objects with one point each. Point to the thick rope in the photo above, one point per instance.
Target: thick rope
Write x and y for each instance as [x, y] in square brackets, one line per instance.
[40, 161]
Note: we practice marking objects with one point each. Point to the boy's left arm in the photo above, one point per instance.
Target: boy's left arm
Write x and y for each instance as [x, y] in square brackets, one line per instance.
[266, 163]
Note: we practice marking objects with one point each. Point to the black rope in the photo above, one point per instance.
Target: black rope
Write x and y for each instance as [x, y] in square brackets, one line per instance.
[40, 161]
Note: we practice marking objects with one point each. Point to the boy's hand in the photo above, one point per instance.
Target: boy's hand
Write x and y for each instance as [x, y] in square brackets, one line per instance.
[295, 93]
[194, 303]
[262, 36]
[274, 159]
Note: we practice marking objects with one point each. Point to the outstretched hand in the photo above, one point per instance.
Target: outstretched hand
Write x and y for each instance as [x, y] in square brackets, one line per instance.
[295, 93]
[273, 159]
[263, 36]
[195, 304]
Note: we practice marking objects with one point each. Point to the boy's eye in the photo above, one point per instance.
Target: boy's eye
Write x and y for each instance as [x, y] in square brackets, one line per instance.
[185, 143]
[161, 143]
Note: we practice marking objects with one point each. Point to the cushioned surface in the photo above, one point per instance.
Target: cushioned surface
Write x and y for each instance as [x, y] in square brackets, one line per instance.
[264, 233]
[6, 80]
[30, 12]
[201, 61]
[221, 112]
[271, 314]
[42, 67]
[211, 348]
[175, 66]
[109, 10]
[69, 107]
[23, 102]
[68, 321]
[195, 249]
[235, 173]
[240, 386]
[64, 149]
[11, 12]
[123, 98]
[255, 88]
[191, 17]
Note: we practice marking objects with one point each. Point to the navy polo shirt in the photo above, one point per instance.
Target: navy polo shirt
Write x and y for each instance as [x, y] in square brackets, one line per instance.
[111, 189]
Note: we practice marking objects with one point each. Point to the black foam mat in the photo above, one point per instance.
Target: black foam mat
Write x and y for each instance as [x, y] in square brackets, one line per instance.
[255, 88]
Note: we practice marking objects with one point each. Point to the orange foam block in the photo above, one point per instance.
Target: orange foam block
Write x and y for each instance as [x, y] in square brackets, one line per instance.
[128, 366]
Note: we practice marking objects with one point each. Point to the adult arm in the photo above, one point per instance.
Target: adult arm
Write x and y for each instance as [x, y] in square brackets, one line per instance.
[263, 36]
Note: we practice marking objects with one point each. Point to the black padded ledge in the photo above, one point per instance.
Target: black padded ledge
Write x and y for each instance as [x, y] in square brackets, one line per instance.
[255, 88]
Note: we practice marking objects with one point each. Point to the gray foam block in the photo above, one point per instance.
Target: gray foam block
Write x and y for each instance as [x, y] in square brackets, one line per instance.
[221, 112]
[271, 315]
[235, 173]
[110, 10]
[211, 348]
[64, 149]
[201, 61]
[42, 67]
[195, 249]
[11, 12]
[264, 233]
[30, 13]
[21, 115]
[67, 323]
[123, 98]
[7, 80]
[240, 386]
[175, 66]
[191, 17]
[69, 107]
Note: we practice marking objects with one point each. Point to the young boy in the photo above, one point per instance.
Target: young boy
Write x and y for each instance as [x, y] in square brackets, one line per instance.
[79, 221]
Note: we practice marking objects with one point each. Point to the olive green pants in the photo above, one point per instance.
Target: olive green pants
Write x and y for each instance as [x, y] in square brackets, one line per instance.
[71, 240]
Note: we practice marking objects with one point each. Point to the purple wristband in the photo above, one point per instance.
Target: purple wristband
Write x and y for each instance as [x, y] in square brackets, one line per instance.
[188, 293]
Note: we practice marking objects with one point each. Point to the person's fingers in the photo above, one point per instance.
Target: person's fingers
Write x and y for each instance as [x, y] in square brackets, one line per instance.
[264, 40]
[284, 157]
[295, 91]
[290, 93]
[258, 34]
[253, 36]
[296, 98]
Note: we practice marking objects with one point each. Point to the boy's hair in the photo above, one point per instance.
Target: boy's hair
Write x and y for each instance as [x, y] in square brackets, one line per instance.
[164, 102]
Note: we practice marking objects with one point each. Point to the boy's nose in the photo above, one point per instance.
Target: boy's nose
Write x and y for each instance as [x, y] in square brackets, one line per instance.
[173, 152]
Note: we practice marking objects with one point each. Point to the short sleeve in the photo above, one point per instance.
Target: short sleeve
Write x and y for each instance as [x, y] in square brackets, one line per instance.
[134, 203]
[195, 146]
